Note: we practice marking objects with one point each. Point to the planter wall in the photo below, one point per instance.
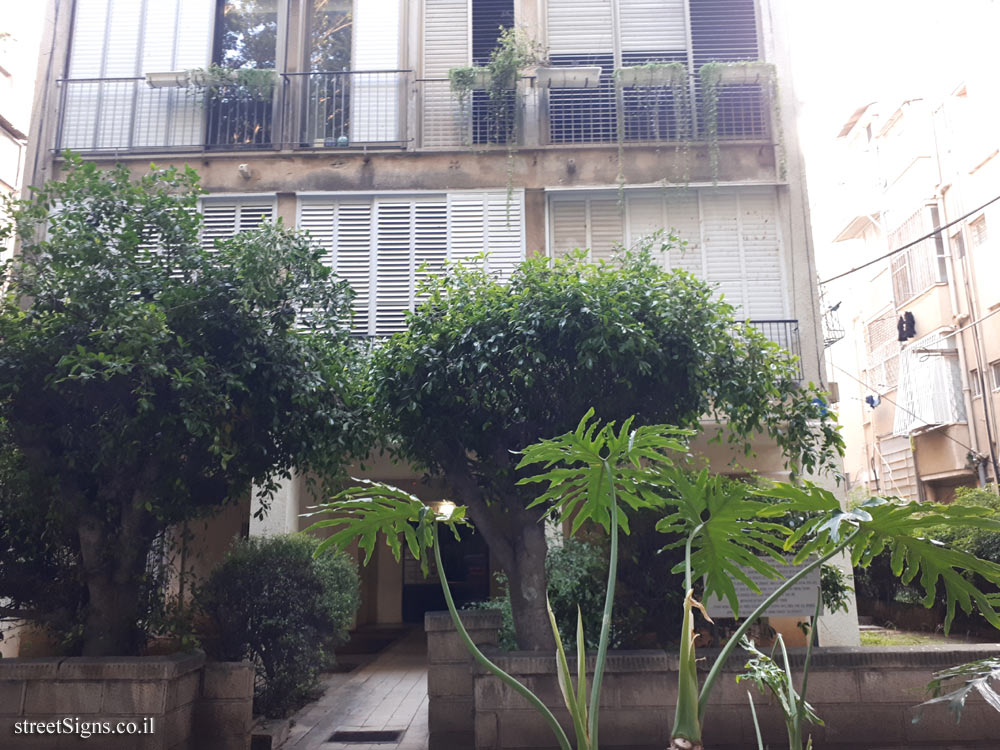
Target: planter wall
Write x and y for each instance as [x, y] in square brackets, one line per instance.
[188, 704]
[867, 696]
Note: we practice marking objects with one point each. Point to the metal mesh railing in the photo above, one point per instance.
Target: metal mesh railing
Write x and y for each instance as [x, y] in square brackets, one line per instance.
[784, 333]
[349, 108]
[326, 110]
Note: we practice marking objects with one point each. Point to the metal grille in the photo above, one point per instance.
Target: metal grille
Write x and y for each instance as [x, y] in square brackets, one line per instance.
[325, 110]
[784, 333]
[350, 108]
[883, 352]
[915, 269]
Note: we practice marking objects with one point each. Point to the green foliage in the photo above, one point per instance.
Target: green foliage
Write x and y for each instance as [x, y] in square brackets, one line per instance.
[576, 572]
[835, 589]
[280, 603]
[150, 379]
[487, 367]
[777, 680]
[982, 543]
[897, 527]
[255, 83]
[954, 685]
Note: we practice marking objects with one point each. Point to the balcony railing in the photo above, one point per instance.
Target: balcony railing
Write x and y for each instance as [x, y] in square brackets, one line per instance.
[784, 333]
[305, 110]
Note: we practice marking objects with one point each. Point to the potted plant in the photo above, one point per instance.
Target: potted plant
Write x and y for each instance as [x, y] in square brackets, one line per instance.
[568, 77]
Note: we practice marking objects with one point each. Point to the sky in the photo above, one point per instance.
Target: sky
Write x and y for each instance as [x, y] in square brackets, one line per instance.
[849, 53]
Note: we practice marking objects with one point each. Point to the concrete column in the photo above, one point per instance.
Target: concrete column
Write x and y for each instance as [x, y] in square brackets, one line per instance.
[282, 516]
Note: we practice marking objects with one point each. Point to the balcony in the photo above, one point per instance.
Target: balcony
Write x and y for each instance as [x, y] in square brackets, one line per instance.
[353, 109]
[784, 333]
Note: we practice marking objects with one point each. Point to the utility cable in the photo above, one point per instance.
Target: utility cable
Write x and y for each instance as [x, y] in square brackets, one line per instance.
[907, 246]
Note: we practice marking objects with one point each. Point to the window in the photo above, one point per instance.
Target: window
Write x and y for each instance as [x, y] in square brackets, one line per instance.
[590, 32]
[384, 246]
[977, 229]
[995, 371]
[224, 217]
[918, 267]
[975, 383]
[883, 352]
[732, 236]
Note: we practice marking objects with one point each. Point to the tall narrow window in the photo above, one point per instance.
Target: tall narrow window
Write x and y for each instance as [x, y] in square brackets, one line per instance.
[493, 117]
[247, 34]
[331, 25]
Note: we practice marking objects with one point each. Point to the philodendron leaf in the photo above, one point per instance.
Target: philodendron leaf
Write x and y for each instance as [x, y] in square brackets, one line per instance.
[580, 466]
[962, 681]
[362, 512]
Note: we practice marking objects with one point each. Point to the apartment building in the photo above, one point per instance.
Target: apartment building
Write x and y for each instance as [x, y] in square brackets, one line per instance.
[347, 125]
[12, 138]
[923, 352]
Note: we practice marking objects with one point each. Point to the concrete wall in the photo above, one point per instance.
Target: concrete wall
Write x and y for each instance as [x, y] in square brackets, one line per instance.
[188, 704]
[866, 696]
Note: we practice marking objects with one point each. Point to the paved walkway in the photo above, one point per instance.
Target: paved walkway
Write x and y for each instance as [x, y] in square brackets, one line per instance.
[387, 693]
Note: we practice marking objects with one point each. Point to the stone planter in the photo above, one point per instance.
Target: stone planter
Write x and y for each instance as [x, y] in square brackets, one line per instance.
[172, 79]
[158, 702]
[569, 77]
[651, 76]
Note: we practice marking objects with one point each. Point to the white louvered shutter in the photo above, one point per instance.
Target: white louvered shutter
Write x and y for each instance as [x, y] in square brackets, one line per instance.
[223, 218]
[580, 27]
[720, 229]
[466, 226]
[684, 220]
[568, 225]
[606, 228]
[430, 242]
[375, 98]
[394, 264]
[504, 232]
[354, 251]
[86, 60]
[645, 216]
[761, 255]
[318, 218]
[652, 25]
[447, 44]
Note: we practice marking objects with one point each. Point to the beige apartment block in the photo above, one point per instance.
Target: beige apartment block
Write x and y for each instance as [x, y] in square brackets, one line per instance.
[911, 168]
[357, 137]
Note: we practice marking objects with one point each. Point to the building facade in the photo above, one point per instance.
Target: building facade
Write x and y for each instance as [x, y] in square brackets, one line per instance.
[347, 125]
[922, 358]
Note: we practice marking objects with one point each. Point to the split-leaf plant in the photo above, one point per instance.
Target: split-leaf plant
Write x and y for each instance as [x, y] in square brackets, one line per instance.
[587, 473]
[727, 529]
[594, 474]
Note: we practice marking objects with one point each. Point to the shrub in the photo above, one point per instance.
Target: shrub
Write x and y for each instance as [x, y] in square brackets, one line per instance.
[272, 602]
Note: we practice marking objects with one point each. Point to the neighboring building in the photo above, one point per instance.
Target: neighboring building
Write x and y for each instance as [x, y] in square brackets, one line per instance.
[12, 139]
[359, 139]
[924, 346]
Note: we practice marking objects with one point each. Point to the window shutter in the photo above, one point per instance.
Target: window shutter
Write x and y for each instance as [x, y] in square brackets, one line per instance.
[504, 232]
[353, 244]
[569, 225]
[684, 220]
[394, 265]
[446, 45]
[375, 99]
[430, 242]
[761, 256]
[90, 26]
[645, 216]
[466, 226]
[223, 218]
[652, 25]
[580, 27]
[318, 217]
[606, 228]
[722, 248]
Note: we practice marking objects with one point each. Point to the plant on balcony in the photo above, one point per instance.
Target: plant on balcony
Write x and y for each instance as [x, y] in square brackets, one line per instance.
[714, 75]
[256, 83]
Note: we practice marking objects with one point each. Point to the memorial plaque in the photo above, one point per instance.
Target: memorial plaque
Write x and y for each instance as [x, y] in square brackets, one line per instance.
[798, 601]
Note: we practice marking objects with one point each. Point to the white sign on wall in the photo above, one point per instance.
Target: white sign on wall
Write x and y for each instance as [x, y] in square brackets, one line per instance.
[798, 601]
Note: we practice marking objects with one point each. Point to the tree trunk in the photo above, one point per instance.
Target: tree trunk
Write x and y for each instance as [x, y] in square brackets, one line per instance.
[528, 587]
[114, 566]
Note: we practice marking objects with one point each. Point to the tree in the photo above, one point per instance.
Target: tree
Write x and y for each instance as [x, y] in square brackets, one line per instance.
[486, 368]
[144, 381]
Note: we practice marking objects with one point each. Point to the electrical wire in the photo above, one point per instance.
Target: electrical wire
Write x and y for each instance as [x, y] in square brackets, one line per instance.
[971, 325]
[907, 246]
[903, 408]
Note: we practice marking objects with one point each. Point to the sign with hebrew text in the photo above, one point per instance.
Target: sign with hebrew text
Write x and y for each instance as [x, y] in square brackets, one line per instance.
[798, 601]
